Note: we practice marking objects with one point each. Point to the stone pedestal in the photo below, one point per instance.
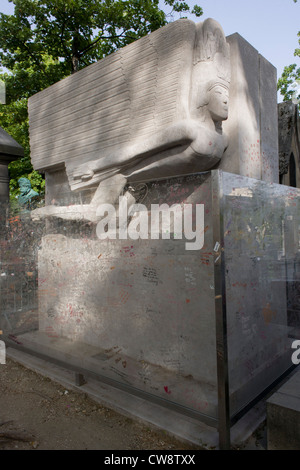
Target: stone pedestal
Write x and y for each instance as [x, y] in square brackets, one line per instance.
[148, 307]
[4, 183]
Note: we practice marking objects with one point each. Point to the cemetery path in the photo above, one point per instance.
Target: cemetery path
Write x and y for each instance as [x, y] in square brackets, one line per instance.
[38, 413]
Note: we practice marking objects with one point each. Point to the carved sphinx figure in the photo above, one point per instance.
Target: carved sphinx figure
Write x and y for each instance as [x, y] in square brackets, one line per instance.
[184, 135]
[193, 144]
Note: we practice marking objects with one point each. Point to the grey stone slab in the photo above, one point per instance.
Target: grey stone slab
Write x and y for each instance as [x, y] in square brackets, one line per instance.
[268, 121]
[283, 416]
[243, 153]
[288, 130]
[290, 389]
[181, 100]
[252, 121]
[286, 401]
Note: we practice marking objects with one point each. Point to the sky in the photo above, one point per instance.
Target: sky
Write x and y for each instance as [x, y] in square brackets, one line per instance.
[271, 26]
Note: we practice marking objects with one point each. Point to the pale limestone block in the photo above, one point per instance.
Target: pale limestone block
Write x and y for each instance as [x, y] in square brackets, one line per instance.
[252, 122]
[152, 109]
[269, 122]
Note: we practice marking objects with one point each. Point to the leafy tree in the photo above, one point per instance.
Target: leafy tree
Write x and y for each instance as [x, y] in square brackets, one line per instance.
[289, 82]
[47, 40]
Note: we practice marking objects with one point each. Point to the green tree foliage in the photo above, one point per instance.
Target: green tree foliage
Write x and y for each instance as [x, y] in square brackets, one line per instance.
[290, 76]
[47, 40]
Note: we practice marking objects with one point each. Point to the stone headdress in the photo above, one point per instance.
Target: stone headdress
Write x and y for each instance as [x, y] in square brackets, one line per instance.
[211, 60]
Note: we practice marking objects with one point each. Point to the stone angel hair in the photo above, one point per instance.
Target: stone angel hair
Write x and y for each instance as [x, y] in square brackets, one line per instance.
[192, 143]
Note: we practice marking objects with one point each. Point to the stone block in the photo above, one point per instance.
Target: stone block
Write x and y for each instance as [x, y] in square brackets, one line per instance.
[252, 122]
[283, 416]
[10, 150]
[151, 304]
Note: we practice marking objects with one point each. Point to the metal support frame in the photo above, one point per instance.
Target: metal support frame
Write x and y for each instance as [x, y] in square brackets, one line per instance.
[79, 379]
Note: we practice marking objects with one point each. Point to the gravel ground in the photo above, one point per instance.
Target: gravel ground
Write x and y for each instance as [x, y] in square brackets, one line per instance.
[38, 413]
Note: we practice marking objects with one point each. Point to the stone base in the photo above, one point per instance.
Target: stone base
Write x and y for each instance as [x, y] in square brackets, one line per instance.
[144, 380]
[283, 416]
[149, 306]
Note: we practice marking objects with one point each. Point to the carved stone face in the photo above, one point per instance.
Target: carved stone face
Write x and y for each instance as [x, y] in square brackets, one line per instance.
[218, 103]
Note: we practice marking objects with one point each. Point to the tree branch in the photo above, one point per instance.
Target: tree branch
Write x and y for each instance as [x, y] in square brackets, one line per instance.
[90, 46]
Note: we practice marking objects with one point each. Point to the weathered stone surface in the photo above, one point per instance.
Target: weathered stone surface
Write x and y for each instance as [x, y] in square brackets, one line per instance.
[138, 302]
[252, 122]
[152, 109]
[155, 109]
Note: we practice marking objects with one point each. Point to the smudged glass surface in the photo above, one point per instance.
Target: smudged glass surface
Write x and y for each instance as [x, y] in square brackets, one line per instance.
[142, 313]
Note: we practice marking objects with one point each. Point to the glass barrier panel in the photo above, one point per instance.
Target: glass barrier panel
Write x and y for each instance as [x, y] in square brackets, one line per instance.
[136, 307]
[261, 247]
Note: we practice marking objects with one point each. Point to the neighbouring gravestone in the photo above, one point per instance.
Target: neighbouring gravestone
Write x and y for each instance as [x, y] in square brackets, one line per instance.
[183, 116]
[289, 148]
[10, 150]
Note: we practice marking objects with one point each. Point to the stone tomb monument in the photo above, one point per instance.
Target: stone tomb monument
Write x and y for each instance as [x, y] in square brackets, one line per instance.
[152, 123]
[155, 109]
